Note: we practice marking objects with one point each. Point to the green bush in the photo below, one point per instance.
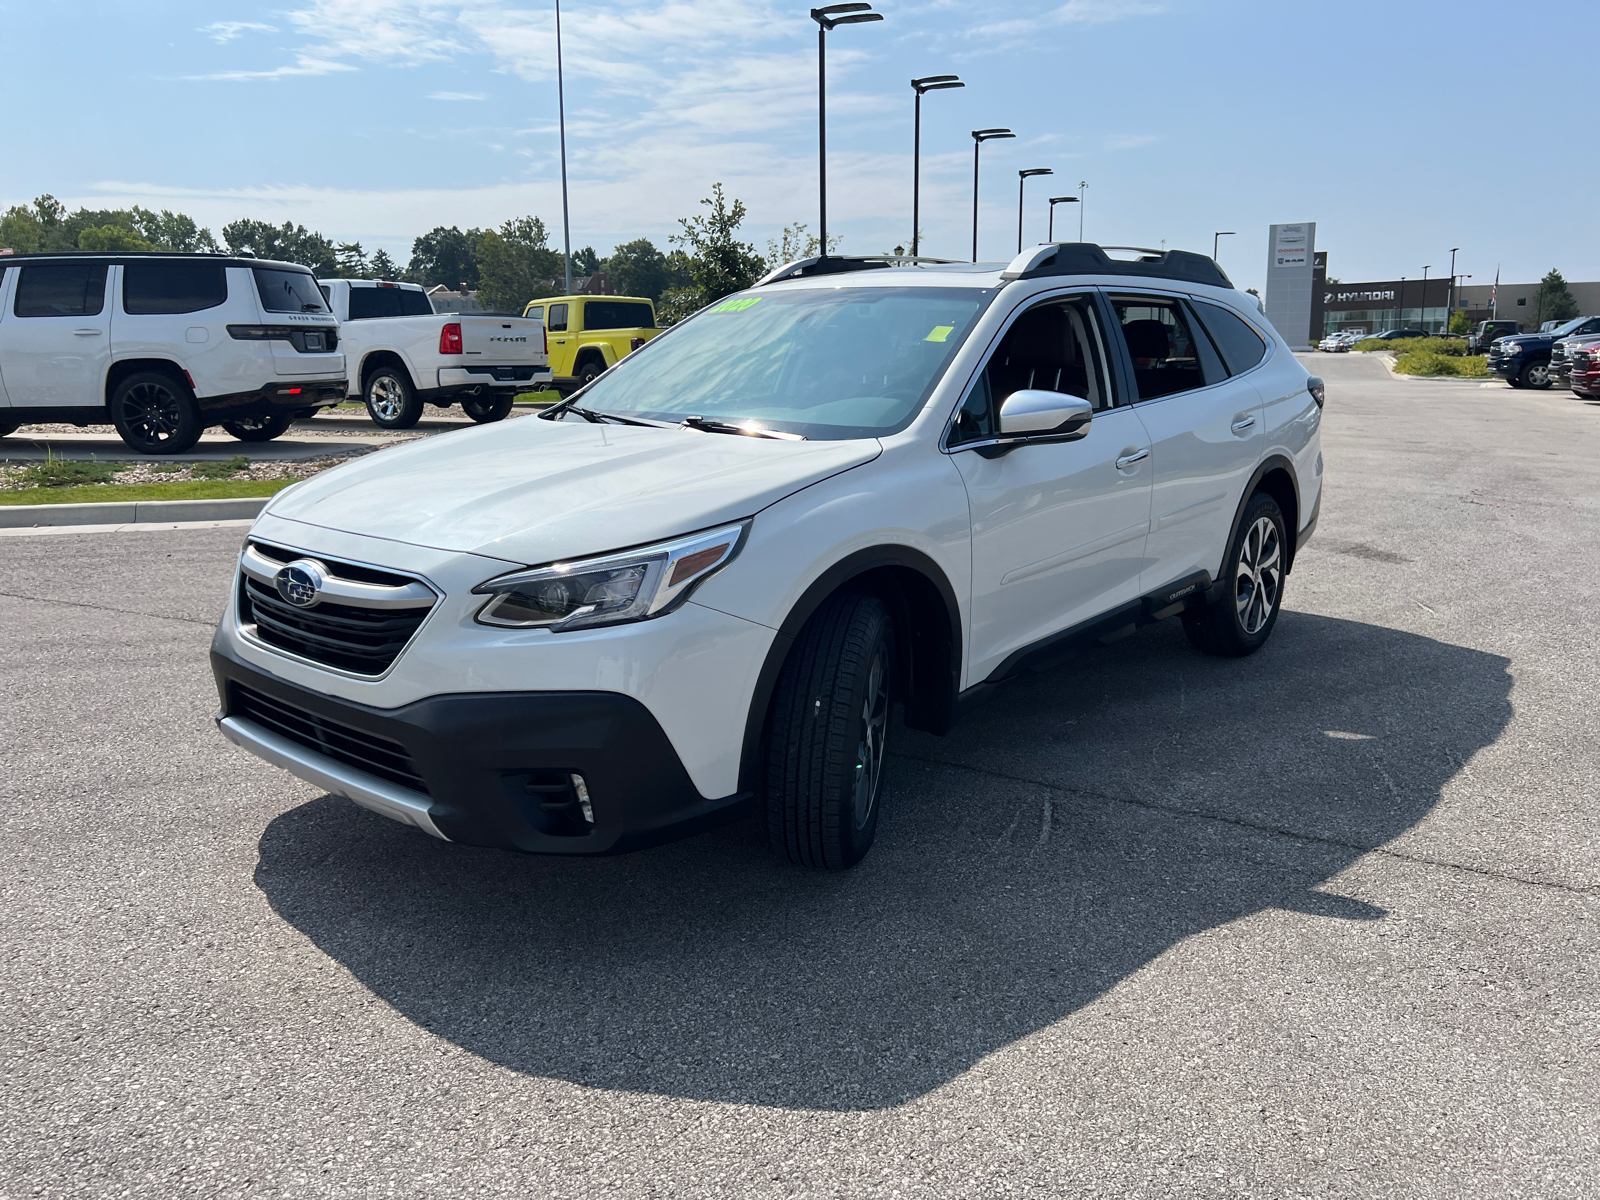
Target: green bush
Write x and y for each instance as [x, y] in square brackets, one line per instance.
[1428, 362]
[1430, 345]
[60, 472]
[220, 470]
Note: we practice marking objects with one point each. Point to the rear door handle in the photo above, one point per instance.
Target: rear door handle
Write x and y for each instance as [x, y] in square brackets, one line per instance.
[1127, 460]
[1242, 424]
[86, 332]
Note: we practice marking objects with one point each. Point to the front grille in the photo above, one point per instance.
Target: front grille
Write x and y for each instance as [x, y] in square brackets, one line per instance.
[353, 747]
[346, 636]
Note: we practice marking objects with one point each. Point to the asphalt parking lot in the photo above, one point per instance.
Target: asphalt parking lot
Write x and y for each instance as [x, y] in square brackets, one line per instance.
[1322, 922]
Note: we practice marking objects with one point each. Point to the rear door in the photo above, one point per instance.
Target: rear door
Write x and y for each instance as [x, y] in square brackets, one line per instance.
[1205, 429]
[292, 298]
[55, 334]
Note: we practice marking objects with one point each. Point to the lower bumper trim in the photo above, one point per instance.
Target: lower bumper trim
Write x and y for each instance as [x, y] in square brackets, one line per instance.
[390, 800]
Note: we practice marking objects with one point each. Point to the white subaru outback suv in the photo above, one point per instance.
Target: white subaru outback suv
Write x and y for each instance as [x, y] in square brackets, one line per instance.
[696, 588]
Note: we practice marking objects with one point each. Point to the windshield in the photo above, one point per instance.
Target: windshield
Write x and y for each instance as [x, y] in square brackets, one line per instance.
[1571, 326]
[288, 291]
[827, 363]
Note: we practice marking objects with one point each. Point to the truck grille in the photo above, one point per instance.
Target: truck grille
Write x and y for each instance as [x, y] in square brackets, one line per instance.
[361, 624]
[353, 747]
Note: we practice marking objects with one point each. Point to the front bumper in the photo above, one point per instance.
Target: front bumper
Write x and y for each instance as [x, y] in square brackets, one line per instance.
[481, 763]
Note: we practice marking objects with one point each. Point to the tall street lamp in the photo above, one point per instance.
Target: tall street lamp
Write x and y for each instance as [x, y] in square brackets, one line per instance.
[830, 17]
[979, 137]
[928, 83]
[1422, 307]
[561, 108]
[1450, 304]
[1215, 237]
[1022, 179]
[1055, 200]
[1081, 186]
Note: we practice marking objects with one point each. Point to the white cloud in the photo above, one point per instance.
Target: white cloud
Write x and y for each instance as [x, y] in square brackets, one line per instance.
[304, 64]
[1073, 12]
[458, 96]
[225, 31]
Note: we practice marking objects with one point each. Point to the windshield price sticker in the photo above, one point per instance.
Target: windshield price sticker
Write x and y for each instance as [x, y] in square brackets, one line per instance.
[739, 304]
[940, 332]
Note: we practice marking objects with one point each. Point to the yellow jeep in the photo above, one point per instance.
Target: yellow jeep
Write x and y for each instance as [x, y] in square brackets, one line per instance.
[586, 334]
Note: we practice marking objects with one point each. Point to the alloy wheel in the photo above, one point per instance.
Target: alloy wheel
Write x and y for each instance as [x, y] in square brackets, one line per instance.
[1260, 575]
[386, 397]
[869, 751]
[1539, 376]
[152, 413]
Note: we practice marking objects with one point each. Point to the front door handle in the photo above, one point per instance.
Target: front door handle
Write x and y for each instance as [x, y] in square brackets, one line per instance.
[86, 332]
[1127, 460]
[1243, 423]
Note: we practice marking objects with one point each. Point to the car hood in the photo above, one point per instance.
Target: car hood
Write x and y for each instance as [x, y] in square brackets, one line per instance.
[532, 491]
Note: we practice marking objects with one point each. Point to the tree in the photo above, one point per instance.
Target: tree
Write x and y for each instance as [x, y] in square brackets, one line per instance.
[796, 243]
[1460, 322]
[21, 231]
[445, 255]
[720, 262]
[585, 262]
[515, 265]
[1554, 301]
[382, 266]
[104, 238]
[638, 268]
[168, 230]
[288, 243]
[352, 261]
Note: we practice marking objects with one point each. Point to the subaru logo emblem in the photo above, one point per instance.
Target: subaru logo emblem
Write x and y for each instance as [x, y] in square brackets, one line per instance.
[300, 583]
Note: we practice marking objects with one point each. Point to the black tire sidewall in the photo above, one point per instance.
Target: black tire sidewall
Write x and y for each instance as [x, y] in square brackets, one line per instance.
[1526, 377]
[190, 425]
[277, 424]
[410, 408]
[9, 425]
[493, 408]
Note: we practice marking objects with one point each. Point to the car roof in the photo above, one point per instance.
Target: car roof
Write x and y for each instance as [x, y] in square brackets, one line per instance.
[396, 283]
[568, 299]
[117, 256]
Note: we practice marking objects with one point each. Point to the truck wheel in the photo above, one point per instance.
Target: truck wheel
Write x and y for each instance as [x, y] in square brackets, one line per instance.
[1535, 375]
[392, 402]
[9, 425]
[484, 409]
[825, 740]
[259, 429]
[1241, 620]
[589, 370]
[155, 414]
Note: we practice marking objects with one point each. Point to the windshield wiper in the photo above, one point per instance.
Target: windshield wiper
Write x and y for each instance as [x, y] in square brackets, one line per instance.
[706, 426]
[597, 418]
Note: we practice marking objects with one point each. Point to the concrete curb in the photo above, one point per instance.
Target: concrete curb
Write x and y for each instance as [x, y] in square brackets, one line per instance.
[130, 512]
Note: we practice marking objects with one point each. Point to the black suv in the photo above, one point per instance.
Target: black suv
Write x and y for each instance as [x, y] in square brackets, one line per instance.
[1524, 359]
[1485, 332]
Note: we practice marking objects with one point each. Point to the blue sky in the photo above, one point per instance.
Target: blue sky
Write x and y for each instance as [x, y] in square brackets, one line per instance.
[1403, 129]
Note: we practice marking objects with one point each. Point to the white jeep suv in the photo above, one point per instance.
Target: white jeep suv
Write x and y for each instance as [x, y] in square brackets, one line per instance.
[164, 345]
[696, 588]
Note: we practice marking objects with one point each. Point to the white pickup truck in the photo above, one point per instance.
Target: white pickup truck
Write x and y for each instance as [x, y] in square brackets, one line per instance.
[402, 355]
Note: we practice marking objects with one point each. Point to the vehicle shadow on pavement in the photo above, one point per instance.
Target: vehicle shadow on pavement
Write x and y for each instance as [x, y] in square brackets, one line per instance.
[1054, 843]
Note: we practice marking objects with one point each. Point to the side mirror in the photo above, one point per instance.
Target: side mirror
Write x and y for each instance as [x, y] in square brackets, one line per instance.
[1039, 414]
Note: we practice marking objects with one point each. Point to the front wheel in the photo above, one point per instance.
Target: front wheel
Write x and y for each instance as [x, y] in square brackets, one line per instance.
[1239, 621]
[484, 409]
[826, 734]
[392, 402]
[259, 429]
[1535, 375]
[155, 414]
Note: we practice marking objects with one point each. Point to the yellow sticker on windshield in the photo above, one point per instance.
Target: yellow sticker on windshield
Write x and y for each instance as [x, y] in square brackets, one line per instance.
[940, 332]
[738, 304]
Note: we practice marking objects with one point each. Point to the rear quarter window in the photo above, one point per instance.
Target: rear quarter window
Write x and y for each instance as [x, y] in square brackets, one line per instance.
[151, 288]
[617, 314]
[1241, 346]
[415, 303]
[288, 291]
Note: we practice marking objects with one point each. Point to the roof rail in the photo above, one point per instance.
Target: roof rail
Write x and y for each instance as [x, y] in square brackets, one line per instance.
[834, 264]
[1086, 258]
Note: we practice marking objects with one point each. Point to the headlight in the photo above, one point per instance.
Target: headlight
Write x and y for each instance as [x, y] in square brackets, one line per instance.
[631, 586]
[1514, 349]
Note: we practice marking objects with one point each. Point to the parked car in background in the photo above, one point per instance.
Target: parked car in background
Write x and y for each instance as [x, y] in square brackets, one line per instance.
[1485, 332]
[1583, 375]
[403, 355]
[1331, 343]
[1523, 360]
[1394, 335]
[1561, 359]
[164, 346]
[701, 588]
[590, 333]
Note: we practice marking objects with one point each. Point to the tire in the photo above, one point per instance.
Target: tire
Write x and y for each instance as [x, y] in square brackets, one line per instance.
[1242, 619]
[588, 371]
[156, 414]
[259, 429]
[392, 402]
[1535, 375]
[825, 734]
[9, 425]
[484, 409]
[1514, 380]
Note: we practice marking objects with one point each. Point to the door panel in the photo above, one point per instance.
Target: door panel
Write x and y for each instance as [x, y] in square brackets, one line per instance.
[55, 337]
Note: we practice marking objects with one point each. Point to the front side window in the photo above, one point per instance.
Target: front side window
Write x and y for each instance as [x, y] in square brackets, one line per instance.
[1166, 356]
[536, 311]
[1241, 346]
[61, 290]
[823, 362]
[367, 303]
[1053, 347]
[156, 288]
[617, 314]
[288, 291]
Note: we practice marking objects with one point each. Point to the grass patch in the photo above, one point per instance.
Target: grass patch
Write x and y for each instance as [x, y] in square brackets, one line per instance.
[550, 396]
[221, 470]
[56, 472]
[1428, 362]
[198, 489]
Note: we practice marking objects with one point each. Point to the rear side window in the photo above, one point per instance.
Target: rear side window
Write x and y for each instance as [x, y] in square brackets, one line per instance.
[415, 304]
[617, 314]
[61, 290]
[288, 291]
[150, 288]
[1166, 358]
[558, 318]
[1241, 346]
[369, 302]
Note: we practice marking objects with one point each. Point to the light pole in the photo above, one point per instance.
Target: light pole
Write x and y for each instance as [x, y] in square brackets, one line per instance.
[830, 17]
[1450, 304]
[928, 83]
[1081, 186]
[1022, 179]
[1214, 238]
[979, 137]
[561, 109]
[1422, 306]
[1055, 200]
[1400, 317]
